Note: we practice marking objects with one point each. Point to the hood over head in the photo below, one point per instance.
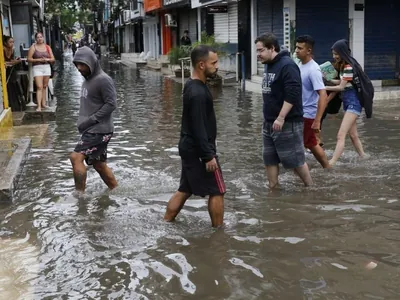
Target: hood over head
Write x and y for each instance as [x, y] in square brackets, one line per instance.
[86, 56]
[342, 48]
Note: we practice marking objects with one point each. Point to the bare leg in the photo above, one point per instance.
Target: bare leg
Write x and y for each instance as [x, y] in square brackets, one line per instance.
[272, 176]
[320, 155]
[356, 140]
[79, 170]
[39, 91]
[106, 174]
[44, 93]
[216, 210]
[175, 205]
[348, 121]
[304, 173]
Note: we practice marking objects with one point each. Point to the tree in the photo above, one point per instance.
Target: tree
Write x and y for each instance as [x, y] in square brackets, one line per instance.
[56, 6]
[69, 18]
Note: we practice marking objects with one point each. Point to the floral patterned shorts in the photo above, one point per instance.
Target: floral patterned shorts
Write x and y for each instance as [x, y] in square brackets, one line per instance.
[93, 146]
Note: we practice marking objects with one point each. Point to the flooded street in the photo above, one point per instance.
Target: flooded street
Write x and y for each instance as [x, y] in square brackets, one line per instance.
[291, 244]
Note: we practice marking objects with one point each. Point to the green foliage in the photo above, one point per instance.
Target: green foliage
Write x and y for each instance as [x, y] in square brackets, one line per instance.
[210, 41]
[69, 17]
[56, 6]
[176, 53]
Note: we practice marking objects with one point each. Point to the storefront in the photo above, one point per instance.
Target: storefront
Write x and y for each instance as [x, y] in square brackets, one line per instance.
[187, 20]
[151, 28]
[325, 21]
[269, 16]
[382, 39]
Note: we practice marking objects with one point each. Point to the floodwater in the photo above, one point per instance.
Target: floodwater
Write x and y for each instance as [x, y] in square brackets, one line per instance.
[295, 243]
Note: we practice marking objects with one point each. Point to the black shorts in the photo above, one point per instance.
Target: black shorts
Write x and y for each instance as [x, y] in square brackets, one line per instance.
[197, 181]
[93, 146]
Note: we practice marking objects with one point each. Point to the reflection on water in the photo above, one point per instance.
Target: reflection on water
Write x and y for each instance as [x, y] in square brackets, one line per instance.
[294, 243]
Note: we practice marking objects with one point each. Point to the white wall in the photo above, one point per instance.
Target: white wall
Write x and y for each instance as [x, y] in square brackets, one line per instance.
[356, 41]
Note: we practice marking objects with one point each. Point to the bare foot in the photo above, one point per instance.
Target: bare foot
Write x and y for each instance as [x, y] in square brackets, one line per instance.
[38, 109]
[331, 163]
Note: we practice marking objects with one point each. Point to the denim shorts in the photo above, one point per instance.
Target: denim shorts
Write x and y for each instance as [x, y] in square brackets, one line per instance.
[285, 146]
[351, 102]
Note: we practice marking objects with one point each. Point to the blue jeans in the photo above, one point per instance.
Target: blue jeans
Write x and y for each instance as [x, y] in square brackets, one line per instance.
[351, 102]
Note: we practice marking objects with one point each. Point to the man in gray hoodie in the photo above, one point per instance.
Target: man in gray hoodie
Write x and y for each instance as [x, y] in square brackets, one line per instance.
[98, 100]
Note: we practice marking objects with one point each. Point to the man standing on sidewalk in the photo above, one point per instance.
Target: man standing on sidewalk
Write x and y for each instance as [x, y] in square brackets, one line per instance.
[201, 173]
[283, 112]
[95, 122]
[314, 97]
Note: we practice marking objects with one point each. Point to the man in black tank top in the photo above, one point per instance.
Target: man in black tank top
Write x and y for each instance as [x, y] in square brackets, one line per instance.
[201, 173]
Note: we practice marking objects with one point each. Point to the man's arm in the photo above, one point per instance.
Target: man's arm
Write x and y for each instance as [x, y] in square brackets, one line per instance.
[109, 96]
[198, 114]
[317, 82]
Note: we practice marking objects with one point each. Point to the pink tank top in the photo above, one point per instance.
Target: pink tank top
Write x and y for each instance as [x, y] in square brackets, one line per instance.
[41, 54]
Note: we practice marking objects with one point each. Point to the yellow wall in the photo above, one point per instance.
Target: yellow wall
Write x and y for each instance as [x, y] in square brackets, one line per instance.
[6, 119]
[6, 115]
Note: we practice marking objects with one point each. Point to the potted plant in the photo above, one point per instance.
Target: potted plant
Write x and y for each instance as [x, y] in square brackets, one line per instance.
[218, 47]
[175, 55]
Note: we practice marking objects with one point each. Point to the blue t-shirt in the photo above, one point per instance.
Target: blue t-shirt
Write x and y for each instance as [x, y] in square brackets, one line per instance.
[312, 81]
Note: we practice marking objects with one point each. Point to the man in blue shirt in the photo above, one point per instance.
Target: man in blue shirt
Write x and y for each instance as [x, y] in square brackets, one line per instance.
[314, 97]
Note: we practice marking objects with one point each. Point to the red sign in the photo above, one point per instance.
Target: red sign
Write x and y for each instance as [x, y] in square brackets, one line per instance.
[150, 5]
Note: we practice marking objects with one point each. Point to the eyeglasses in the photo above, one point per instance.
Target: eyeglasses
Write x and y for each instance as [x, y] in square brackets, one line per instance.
[260, 50]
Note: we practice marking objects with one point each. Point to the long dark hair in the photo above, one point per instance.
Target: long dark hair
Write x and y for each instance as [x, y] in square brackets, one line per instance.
[6, 38]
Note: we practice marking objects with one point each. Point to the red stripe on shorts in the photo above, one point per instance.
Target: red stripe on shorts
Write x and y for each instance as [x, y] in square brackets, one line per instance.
[220, 181]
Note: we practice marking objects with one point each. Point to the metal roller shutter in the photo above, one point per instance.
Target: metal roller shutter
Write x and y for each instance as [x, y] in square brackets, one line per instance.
[193, 25]
[269, 20]
[311, 18]
[183, 22]
[188, 21]
[226, 25]
[221, 29]
[382, 39]
[233, 23]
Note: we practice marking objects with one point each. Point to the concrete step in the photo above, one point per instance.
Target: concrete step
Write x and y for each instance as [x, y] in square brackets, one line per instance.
[13, 155]
[154, 64]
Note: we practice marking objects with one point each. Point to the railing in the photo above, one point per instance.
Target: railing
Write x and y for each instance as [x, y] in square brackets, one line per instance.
[241, 69]
[183, 60]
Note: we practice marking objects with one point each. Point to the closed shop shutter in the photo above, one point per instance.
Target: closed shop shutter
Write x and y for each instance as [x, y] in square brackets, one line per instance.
[221, 29]
[183, 22]
[382, 39]
[188, 21]
[325, 21]
[193, 25]
[233, 23]
[269, 20]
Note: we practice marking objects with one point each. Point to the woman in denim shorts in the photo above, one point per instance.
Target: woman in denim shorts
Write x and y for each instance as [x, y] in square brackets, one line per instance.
[351, 104]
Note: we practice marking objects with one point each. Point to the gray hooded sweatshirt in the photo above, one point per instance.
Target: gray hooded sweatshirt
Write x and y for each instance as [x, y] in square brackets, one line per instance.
[98, 96]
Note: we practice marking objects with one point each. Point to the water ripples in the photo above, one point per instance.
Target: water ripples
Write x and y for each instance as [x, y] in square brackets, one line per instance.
[294, 243]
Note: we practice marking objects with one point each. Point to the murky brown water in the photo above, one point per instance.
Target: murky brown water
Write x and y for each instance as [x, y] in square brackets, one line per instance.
[291, 244]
